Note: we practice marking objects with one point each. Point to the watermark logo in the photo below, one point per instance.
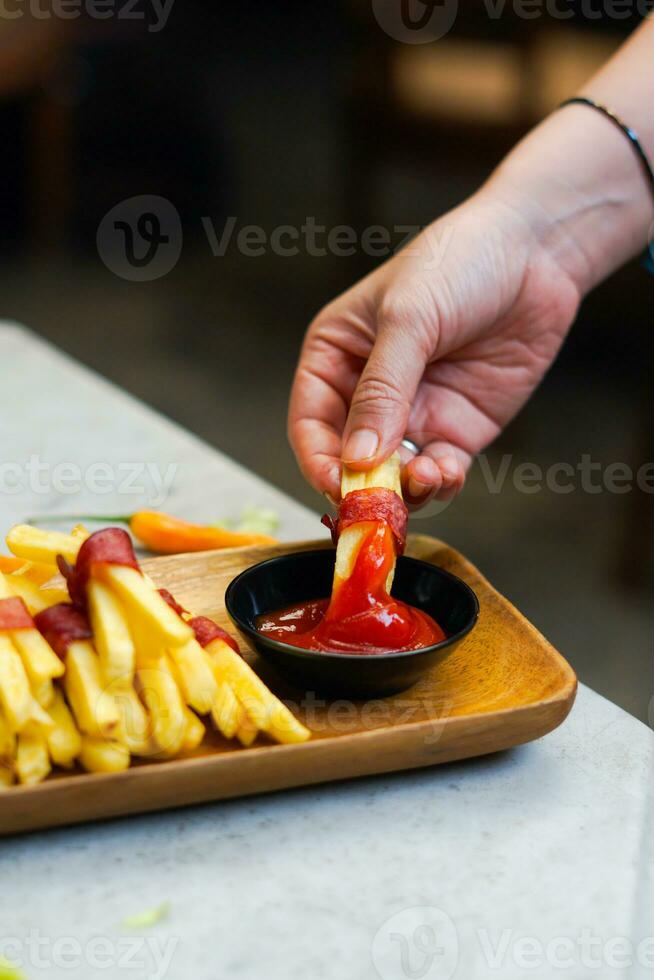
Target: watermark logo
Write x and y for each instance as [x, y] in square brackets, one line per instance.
[416, 21]
[141, 238]
[154, 13]
[419, 943]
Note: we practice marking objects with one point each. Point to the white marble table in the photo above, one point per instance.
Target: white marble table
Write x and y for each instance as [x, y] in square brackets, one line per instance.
[536, 863]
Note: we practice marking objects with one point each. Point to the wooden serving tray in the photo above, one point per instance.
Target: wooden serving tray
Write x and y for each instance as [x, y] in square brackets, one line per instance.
[504, 685]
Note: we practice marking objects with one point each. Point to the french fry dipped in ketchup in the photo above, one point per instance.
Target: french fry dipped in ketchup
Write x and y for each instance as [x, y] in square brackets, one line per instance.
[361, 616]
[68, 631]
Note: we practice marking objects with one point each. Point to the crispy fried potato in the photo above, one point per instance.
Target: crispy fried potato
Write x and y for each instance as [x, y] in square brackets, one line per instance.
[265, 710]
[32, 757]
[34, 571]
[163, 700]
[7, 740]
[247, 731]
[36, 545]
[227, 712]
[194, 675]
[6, 775]
[35, 598]
[387, 475]
[136, 725]
[194, 731]
[143, 603]
[102, 755]
[40, 661]
[111, 635]
[15, 694]
[64, 740]
[94, 707]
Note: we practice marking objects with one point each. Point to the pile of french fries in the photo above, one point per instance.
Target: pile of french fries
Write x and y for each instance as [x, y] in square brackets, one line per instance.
[142, 686]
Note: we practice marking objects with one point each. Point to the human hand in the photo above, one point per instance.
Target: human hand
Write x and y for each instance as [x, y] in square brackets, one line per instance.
[443, 344]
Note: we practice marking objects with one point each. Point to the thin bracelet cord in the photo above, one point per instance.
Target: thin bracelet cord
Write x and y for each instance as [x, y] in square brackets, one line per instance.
[630, 133]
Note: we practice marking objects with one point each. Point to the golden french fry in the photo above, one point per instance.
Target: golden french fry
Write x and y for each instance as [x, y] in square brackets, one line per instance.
[165, 705]
[35, 571]
[39, 659]
[94, 707]
[64, 740]
[32, 757]
[265, 710]
[7, 740]
[36, 545]
[40, 720]
[142, 602]
[5, 591]
[101, 755]
[135, 727]
[15, 694]
[247, 731]
[194, 731]
[194, 675]
[35, 598]
[111, 635]
[227, 712]
[6, 775]
[387, 475]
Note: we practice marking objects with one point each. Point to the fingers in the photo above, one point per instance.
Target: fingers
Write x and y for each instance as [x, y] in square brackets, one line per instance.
[439, 471]
[322, 388]
[382, 400]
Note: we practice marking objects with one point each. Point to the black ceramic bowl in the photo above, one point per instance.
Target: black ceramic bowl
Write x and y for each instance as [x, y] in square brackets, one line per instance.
[279, 582]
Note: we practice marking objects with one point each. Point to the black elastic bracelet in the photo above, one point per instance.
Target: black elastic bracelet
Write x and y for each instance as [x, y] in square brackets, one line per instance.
[634, 139]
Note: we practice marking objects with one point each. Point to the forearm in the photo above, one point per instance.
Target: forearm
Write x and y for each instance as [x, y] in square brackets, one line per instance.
[577, 180]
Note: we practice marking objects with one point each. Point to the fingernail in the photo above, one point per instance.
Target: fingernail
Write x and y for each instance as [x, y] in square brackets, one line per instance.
[417, 489]
[362, 444]
[329, 498]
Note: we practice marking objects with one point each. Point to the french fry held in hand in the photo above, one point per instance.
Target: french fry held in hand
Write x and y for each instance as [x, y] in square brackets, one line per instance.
[386, 476]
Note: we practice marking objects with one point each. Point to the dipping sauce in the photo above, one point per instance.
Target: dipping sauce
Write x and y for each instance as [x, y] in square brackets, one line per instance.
[361, 617]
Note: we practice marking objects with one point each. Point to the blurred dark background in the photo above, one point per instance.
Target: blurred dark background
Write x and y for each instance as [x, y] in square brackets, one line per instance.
[275, 113]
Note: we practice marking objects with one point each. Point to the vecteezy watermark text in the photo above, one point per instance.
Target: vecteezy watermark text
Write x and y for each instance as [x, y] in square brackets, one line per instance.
[154, 13]
[140, 239]
[424, 21]
[423, 943]
[151, 956]
[147, 480]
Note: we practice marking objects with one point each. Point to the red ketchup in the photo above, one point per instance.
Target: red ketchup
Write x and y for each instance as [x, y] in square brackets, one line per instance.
[361, 616]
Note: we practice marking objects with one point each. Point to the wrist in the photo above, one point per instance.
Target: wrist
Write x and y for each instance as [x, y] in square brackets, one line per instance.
[580, 189]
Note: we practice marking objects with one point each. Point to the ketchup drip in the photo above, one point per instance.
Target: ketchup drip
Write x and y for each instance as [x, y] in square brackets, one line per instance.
[361, 616]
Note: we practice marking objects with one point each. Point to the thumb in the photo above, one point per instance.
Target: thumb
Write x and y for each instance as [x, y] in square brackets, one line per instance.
[382, 400]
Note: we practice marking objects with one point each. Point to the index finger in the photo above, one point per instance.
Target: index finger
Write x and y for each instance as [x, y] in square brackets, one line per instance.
[316, 417]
